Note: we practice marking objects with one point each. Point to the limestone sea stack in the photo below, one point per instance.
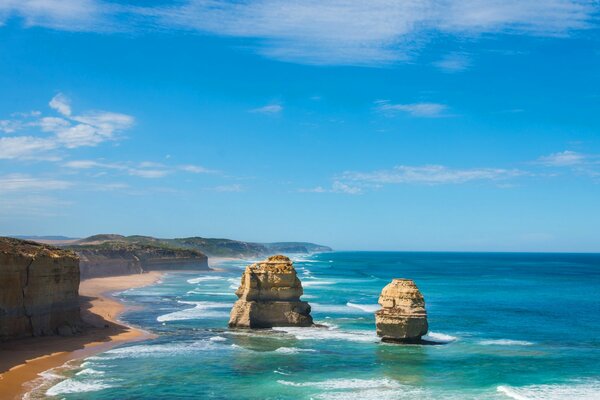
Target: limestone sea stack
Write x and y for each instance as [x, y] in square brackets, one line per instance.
[39, 287]
[403, 317]
[269, 296]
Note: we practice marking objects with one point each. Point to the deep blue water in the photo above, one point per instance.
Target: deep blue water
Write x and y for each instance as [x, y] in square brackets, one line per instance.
[522, 326]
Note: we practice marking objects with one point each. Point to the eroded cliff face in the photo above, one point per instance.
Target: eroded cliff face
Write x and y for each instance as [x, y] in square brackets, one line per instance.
[39, 287]
[119, 258]
[403, 317]
[269, 296]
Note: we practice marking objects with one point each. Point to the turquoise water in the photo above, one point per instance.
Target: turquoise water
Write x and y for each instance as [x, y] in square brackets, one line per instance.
[521, 326]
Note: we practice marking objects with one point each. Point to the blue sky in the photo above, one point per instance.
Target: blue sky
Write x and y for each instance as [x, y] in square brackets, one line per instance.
[423, 125]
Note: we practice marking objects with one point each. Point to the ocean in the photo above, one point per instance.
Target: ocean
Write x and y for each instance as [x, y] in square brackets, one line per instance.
[511, 326]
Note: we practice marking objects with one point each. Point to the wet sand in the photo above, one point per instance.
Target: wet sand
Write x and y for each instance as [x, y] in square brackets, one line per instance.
[21, 361]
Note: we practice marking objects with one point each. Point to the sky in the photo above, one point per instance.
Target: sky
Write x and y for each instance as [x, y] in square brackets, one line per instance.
[434, 125]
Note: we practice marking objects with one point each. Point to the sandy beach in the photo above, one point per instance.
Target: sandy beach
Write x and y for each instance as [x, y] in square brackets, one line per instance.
[21, 361]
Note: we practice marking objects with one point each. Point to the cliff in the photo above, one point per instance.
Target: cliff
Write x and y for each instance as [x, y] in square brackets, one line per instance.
[109, 258]
[403, 317]
[269, 296]
[210, 246]
[38, 290]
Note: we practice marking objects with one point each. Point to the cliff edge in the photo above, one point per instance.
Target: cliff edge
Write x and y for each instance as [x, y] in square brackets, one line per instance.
[38, 290]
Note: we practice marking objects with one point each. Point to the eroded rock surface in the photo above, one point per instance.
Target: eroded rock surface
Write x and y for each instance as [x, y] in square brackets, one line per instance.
[402, 317]
[39, 287]
[269, 296]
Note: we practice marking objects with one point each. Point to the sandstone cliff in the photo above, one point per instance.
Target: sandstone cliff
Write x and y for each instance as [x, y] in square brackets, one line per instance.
[403, 317]
[269, 296]
[122, 258]
[38, 290]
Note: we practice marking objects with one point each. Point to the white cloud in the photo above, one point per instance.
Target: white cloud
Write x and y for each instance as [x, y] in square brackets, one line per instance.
[67, 131]
[336, 187]
[563, 159]
[454, 62]
[24, 147]
[234, 188]
[320, 31]
[195, 169]
[429, 175]
[61, 104]
[148, 173]
[27, 183]
[145, 169]
[268, 109]
[425, 110]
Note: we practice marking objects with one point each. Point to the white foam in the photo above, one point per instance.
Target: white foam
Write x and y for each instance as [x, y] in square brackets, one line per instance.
[317, 333]
[317, 283]
[217, 339]
[90, 371]
[368, 308]
[505, 342]
[576, 390]
[73, 386]
[344, 384]
[204, 278]
[160, 350]
[439, 337]
[201, 309]
[293, 350]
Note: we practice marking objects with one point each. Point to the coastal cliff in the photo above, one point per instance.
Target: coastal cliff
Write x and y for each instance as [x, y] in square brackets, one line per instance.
[269, 296]
[112, 258]
[38, 290]
[402, 317]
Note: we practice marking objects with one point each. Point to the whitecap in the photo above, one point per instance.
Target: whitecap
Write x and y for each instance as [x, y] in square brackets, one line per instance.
[317, 283]
[90, 371]
[160, 350]
[505, 342]
[439, 337]
[293, 350]
[368, 308]
[73, 386]
[575, 390]
[204, 278]
[218, 339]
[317, 333]
[338, 384]
[201, 309]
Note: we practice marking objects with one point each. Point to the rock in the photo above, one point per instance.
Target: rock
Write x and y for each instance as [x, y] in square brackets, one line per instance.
[403, 317]
[39, 287]
[269, 296]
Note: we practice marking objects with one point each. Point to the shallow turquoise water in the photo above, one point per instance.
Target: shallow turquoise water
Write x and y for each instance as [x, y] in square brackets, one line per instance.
[522, 326]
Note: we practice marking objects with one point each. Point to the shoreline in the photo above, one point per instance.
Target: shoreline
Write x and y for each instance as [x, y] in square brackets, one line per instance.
[21, 361]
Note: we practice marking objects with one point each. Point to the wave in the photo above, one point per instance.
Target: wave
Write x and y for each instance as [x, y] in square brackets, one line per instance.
[293, 350]
[89, 371]
[202, 309]
[368, 308]
[344, 384]
[439, 337]
[73, 386]
[204, 278]
[577, 390]
[332, 333]
[505, 342]
[159, 350]
[317, 283]
[217, 339]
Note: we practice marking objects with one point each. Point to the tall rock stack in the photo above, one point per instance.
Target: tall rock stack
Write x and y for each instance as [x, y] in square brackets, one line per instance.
[403, 317]
[39, 287]
[269, 296]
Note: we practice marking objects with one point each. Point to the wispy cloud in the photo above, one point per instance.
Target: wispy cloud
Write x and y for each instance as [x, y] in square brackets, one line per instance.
[145, 169]
[66, 131]
[563, 159]
[319, 31]
[233, 188]
[454, 62]
[27, 183]
[336, 187]
[423, 110]
[268, 109]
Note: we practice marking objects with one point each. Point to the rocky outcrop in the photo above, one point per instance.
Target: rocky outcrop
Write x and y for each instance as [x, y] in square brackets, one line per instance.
[269, 296]
[38, 290]
[403, 317]
[122, 258]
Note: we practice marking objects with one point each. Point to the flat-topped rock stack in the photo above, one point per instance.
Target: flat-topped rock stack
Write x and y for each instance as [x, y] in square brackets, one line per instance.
[269, 296]
[403, 318]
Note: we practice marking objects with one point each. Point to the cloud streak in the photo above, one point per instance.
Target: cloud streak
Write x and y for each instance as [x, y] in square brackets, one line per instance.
[422, 110]
[319, 31]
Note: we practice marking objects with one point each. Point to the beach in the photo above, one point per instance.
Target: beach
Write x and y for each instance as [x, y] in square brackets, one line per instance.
[22, 360]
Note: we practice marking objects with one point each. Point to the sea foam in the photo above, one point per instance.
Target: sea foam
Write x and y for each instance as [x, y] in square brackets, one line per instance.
[205, 278]
[576, 390]
[368, 308]
[334, 333]
[439, 337]
[73, 386]
[505, 342]
[201, 309]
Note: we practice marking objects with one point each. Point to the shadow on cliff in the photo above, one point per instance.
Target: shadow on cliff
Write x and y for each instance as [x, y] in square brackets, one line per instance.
[95, 329]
